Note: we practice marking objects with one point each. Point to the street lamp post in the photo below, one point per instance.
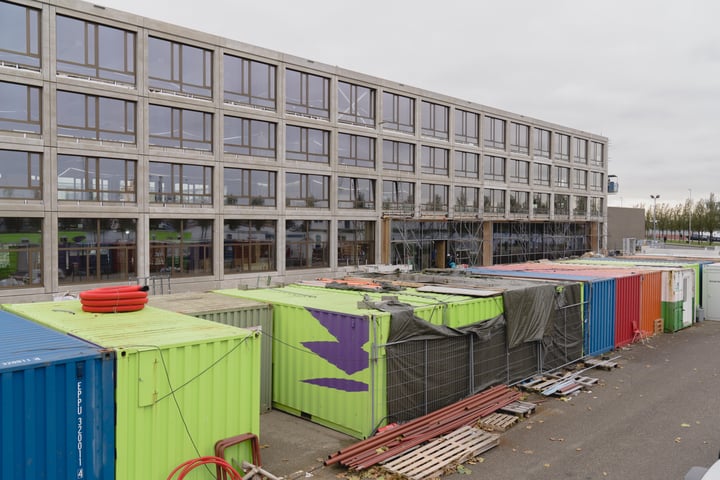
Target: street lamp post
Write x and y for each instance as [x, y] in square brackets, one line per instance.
[654, 199]
[690, 217]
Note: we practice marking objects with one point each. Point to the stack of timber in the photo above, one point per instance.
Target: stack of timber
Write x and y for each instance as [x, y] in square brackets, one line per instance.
[393, 442]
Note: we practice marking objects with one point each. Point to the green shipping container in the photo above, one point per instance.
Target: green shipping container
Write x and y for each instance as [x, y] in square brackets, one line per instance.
[182, 383]
[329, 350]
[238, 312]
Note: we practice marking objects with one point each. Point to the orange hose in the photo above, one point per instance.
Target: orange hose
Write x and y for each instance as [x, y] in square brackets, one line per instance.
[128, 298]
[186, 467]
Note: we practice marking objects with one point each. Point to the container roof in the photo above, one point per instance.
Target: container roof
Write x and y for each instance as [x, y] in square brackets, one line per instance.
[24, 343]
[195, 303]
[149, 327]
[344, 301]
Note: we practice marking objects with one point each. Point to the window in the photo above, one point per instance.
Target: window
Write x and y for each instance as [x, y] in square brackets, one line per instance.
[519, 202]
[21, 176]
[307, 94]
[542, 143]
[580, 180]
[494, 201]
[95, 51]
[178, 183]
[20, 111]
[21, 253]
[398, 113]
[596, 154]
[249, 245]
[306, 190]
[96, 179]
[581, 151]
[356, 151]
[596, 182]
[356, 104]
[307, 244]
[562, 177]
[181, 247]
[180, 128]
[434, 161]
[596, 206]
[398, 156]
[249, 82]
[249, 137]
[95, 118]
[494, 168]
[398, 196]
[519, 171]
[179, 68]
[249, 188]
[96, 249]
[19, 36]
[581, 205]
[494, 133]
[520, 141]
[562, 147]
[434, 198]
[467, 164]
[467, 199]
[307, 144]
[356, 193]
[542, 174]
[561, 204]
[356, 242]
[467, 127]
[435, 120]
[541, 203]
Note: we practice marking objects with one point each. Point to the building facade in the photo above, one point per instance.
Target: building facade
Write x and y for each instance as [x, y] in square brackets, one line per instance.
[132, 148]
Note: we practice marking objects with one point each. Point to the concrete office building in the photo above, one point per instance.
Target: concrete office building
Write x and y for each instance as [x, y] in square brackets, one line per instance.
[132, 148]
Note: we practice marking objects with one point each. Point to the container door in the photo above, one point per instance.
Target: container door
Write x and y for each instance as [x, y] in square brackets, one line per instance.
[711, 293]
[688, 300]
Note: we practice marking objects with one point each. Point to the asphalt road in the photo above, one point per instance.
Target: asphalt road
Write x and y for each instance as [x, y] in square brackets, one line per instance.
[653, 417]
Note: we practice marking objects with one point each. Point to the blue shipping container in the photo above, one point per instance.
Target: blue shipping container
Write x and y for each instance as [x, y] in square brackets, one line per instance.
[57, 409]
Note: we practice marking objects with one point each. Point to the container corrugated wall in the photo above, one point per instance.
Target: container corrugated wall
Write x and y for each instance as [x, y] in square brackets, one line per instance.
[651, 301]
[181, 382]
[57, 405]
[627, 309]
[233, 311]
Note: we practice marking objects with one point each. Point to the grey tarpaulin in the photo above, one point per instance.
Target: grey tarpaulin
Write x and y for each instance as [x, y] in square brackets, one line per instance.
[527, 312]
[563, 340]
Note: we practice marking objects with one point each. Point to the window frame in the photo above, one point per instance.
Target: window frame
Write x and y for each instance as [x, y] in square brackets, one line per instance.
[250, 130]
[256, 252]
[352, 105]
[98, 111]
[308, 104]
[250, 189]
[520, 138]
[398, 113]
[434, 160]
[350, 191]
[398, 161]
[93, 176]
[31, 30]
[29, 119]
[580, 154]
[313, 248]
[11, 188]
[95, 48]
[177, 81]
[307, 137]
[467, 164]
[176, 119]
[392, 192]
[249, 91]
[434, 197]
[562, 147]
[542, 174]
[348, 142]
[494, 202]
[494, 132]
[466, 131]
[562, 177]
[519, 171]
[543, 143]
[471, 196]
[435, 121]
[490, 165]
[305, 196]
[181, 192]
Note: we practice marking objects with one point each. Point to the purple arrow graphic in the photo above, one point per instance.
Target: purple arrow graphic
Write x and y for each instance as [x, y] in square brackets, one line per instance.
[351, 333]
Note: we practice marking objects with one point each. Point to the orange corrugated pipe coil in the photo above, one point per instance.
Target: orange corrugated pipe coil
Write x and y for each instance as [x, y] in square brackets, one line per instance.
[114, 299]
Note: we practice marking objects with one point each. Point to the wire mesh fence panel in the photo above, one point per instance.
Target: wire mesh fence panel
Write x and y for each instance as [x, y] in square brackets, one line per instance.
[523, 361]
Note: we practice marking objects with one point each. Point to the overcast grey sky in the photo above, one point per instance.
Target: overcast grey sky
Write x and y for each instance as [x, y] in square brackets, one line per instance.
[644, 73]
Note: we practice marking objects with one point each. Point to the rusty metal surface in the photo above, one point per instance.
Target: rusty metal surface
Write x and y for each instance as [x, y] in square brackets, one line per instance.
[392, 442]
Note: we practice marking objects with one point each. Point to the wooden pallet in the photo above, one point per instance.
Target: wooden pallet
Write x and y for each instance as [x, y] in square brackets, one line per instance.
[497, 422]
[431, 459]
[600, 363]
[558, 384]
[519, 408]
